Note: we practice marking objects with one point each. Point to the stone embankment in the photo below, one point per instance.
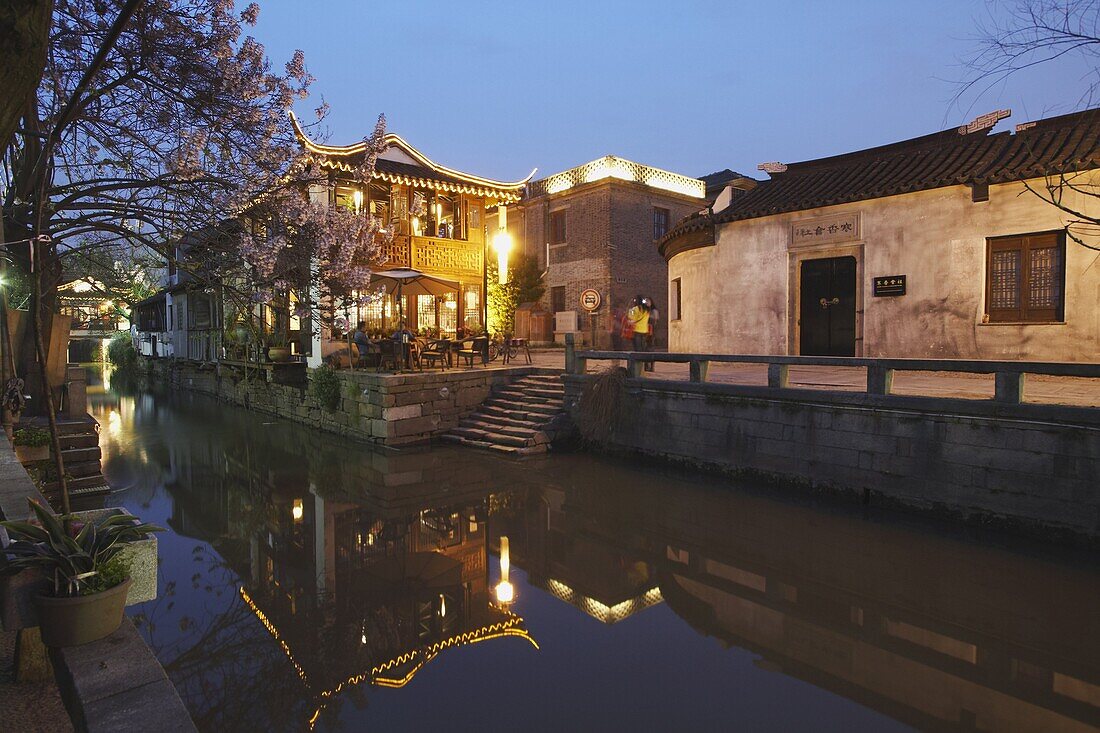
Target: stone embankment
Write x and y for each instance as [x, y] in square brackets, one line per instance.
[1029, 467]
[389, 409]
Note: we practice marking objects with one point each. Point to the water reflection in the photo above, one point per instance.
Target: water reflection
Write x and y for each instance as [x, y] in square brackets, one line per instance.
[303, 571]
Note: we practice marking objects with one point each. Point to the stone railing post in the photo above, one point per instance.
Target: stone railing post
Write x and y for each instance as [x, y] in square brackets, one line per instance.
[570, 355]
[699, 369]
[1009, 387]
[779, 376]
[880, 380]
[633, 366]
[77, 386]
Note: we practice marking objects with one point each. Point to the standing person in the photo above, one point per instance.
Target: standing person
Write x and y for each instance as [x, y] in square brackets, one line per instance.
[616, 328]
[639, 316]
[654, 322]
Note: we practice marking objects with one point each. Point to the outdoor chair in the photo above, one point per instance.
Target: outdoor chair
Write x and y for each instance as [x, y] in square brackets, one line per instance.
[472, 348]
[438, 350]
[387, 354]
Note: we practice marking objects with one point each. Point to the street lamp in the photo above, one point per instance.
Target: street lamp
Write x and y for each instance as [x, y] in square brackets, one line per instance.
[502, 243]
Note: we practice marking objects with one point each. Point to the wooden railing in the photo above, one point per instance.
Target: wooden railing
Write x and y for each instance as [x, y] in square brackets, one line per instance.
[1009, 376]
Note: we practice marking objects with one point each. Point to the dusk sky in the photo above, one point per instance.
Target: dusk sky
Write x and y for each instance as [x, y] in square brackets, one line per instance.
[499, 88]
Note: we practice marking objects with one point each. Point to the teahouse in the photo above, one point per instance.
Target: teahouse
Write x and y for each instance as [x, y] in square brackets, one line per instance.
[941, 246]
[438, 215]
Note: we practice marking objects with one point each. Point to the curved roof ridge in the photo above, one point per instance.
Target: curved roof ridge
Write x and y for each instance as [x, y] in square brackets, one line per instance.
[400, 142]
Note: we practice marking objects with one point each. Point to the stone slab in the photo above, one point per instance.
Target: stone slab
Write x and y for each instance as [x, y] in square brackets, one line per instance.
[117, 684]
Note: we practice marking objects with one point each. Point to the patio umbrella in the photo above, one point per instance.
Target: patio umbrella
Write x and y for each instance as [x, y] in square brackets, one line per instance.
[410, 282]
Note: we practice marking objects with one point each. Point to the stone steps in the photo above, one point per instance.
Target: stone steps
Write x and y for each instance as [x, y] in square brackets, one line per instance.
[492, 427]
[537, 408]
[78, 455]
[78, 440]
[531, 395]
[486, 445]
[514, 417]
[502, 421]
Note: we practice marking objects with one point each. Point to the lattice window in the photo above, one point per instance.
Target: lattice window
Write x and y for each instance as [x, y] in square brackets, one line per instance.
[1026, 278]
[1005, 280]
[471, 306]
[1044, 286]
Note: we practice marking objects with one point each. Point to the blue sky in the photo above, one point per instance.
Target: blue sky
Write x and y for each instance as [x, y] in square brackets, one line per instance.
[499, 88]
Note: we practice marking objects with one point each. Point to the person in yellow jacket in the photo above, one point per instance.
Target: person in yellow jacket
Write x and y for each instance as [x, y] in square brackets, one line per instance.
[639, 316]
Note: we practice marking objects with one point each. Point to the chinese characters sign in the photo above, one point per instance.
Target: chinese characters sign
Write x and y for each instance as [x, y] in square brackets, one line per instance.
[826, 229]
[888, 286]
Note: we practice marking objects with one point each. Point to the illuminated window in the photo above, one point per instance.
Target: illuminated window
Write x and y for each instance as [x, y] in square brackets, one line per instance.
[1025, 278]
[448, 313]
[471, 306]
[660, 222]
[425, 313]
[557, 227]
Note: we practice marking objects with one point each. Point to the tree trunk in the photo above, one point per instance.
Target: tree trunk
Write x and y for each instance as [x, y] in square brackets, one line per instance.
[24, 37]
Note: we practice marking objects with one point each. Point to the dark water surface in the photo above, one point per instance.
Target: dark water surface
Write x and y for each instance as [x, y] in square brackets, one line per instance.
[309, 582]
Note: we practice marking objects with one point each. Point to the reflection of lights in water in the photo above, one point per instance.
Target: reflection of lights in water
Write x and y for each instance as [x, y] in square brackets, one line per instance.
[442, 606]
[297, 510]
[105, 366]
[114, 422]
[504, 590]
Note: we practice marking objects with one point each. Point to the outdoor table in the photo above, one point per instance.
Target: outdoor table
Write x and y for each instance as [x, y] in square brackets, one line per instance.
[514, 346]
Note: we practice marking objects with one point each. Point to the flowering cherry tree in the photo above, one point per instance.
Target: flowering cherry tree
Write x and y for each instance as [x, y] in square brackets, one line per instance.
[157, 119]
[328, 249]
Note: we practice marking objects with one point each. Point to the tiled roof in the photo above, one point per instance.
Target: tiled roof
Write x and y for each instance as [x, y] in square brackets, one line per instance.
[717, 181]
[1064, 144]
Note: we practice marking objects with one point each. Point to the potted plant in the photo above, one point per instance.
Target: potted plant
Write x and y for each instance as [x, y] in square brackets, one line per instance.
[85, 568]
[32, 444]
[278, 349]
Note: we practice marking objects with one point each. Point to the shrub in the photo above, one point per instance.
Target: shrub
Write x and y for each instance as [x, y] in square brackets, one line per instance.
[326, 387]
[120, 351]
[600, 403]
[33, 437]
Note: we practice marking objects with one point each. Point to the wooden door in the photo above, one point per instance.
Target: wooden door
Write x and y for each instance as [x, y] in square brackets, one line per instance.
[827, 307]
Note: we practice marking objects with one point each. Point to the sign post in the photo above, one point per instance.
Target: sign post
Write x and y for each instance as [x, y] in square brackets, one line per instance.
[590, 301]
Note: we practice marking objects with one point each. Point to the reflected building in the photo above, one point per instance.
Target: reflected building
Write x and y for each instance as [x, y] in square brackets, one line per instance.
[366, 570]
[884, 616]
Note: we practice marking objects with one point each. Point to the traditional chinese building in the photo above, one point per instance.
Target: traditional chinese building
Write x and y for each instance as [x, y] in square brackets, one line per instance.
[438, 215]
[593, 227]
[940, 246]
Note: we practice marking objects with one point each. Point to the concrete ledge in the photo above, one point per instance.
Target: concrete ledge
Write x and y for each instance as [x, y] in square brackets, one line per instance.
[116, 684]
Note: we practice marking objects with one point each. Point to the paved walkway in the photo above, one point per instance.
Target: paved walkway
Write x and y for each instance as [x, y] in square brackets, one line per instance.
[31, 707]
[1042, 389]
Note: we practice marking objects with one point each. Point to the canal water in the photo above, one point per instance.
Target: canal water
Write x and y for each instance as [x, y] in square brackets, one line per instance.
[310, 583]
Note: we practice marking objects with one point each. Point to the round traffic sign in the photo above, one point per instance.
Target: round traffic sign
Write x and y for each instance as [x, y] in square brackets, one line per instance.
[590, 299]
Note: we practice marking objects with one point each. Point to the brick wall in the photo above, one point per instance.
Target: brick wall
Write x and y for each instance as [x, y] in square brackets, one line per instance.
[609, 246]
[636, 265]
[1032, 474]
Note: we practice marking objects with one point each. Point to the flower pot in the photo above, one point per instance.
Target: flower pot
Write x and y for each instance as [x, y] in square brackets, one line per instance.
[278, 353]
[83, 619]
[32, 453]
